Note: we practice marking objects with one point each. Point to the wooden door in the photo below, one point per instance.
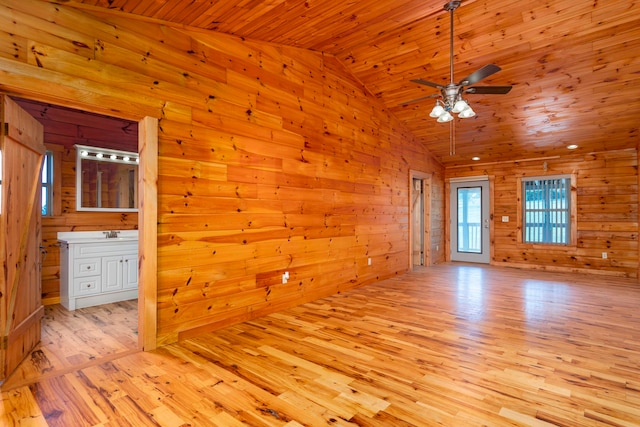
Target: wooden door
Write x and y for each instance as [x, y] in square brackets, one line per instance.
[21, 142]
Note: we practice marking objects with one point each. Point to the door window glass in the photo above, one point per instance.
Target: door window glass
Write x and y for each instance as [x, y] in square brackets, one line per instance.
[470, 220]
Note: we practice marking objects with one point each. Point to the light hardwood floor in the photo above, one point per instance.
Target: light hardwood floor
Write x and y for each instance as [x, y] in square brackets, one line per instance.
[73, 340]
[450, 345]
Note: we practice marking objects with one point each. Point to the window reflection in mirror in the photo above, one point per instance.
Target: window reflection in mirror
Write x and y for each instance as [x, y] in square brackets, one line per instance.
[106, 180]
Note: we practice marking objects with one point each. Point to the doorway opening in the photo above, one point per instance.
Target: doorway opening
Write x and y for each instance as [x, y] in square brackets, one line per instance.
[419, 222]
[131, 328]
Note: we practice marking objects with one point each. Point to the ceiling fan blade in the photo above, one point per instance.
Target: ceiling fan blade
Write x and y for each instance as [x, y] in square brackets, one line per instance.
[427, 83]
[480, 74]
[489, 90]
[413, 101]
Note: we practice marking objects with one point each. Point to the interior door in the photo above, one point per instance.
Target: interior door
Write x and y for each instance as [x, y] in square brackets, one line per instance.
[21, 142]
[470, 221]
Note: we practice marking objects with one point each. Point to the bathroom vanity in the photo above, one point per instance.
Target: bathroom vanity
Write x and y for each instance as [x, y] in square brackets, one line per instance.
[98, 267]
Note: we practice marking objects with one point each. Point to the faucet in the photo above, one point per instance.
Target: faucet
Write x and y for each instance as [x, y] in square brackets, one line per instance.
[111, 234]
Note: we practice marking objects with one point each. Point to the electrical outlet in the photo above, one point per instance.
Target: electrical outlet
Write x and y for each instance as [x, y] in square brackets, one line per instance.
[604, 255]
[285, 277]
[368, 261]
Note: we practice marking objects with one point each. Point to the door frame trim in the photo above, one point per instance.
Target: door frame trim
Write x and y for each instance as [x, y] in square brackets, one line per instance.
[447, 212]
[426, 203]
[148, 227]
[147, 213]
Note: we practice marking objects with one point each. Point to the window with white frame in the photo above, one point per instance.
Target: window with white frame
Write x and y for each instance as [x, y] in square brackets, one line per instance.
[47, 184]
[546, 210]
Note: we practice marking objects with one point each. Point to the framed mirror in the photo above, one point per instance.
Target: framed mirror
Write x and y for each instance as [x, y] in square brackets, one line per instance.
[106, 180]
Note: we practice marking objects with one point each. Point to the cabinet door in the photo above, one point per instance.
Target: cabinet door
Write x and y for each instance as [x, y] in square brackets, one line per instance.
[130, 271]
[112, 273]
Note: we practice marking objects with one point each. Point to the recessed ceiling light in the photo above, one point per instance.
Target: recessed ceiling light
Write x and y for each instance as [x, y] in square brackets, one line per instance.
[476, 158]
[572, 147]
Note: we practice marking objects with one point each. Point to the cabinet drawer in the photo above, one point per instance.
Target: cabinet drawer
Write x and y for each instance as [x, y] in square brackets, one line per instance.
[84, 250]
[86, 267]
[86, 286]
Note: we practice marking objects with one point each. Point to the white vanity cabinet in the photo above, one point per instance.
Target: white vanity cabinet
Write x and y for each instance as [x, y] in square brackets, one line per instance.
[97, 270]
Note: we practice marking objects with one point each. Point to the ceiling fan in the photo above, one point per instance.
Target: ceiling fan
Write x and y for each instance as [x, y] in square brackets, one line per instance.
[450, 96]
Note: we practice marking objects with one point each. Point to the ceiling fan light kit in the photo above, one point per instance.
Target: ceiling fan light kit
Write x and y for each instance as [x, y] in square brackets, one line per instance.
[459, 106]
[438, 110]
[466, 113]
[445, 117]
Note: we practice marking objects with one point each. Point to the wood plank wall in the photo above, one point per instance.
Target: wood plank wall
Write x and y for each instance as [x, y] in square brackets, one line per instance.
[437, 217]
[271, 159]
[607, 213]
[62, 129]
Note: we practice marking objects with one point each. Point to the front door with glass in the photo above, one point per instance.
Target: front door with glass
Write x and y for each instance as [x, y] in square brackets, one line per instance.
[470, 240]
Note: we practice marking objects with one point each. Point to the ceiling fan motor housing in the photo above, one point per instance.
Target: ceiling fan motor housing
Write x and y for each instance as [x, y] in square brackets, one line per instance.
[451, 93]
[452, 5]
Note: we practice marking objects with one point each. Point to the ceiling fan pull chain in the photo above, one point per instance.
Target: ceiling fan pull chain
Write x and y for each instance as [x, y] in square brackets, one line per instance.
[452, 138]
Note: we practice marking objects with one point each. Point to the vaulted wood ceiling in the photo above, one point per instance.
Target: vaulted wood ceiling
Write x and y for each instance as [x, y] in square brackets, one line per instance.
[574, 64]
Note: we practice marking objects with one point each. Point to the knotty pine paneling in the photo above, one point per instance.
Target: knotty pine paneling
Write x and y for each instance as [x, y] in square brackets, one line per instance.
[607, 213]
[437, 217]
[271, 158]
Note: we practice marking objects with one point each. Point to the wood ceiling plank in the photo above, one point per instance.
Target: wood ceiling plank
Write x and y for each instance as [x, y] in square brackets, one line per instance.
[616, 13]
[556, 54]
[144, 7]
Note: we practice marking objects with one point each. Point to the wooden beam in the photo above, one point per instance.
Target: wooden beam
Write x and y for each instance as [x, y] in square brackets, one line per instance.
[148, 232]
